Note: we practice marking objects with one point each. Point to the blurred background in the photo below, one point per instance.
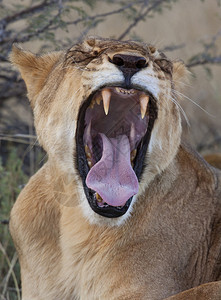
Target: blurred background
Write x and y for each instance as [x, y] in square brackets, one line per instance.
[184, 29]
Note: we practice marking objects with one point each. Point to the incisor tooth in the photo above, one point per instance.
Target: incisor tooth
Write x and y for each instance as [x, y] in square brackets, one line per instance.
[144, 99]
[106, 95]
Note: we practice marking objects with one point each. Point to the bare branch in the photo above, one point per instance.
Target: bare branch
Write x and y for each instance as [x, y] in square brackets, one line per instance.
[34, 9]
[3, 59]
[12, 88]
[172, 48]
[4, 222]
[11, 267]
[208, 60]
[40, 30]
[140, 17]
[100, 16]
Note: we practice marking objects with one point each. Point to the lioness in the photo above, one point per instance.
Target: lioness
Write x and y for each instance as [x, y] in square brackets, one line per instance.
[122, 209]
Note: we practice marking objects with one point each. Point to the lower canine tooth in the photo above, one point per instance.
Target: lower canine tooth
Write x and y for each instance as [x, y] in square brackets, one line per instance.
[87, 151]
[133, 154]
[98, 197]
[89, 163]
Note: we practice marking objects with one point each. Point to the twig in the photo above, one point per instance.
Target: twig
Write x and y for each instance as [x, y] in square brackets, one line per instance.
[85, 32]
[11, 266]
[139, 18]
[3, 59]
[25, 136]
[172, 48]
[204, 61]
[99, 16]
[38, 31]
[17, 141]
[12, 18]
[207, 146]
[4, 222]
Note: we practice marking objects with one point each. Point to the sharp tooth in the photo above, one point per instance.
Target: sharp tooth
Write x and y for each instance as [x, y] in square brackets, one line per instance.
[87, 151]
[144, 99]
[92, 103]
[117, 89]
[98, 98]
[133, 154]
[106, 95]
[98, 197]
[89, 162]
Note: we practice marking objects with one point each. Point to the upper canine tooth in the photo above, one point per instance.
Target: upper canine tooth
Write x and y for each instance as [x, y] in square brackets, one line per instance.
[106, 95]
[144, 99]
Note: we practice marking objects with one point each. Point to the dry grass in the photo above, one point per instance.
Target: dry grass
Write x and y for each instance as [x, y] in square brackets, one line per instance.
[12, 180]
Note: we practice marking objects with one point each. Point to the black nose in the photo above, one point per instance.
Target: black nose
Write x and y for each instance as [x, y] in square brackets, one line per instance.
[129, 65]
[129, 61]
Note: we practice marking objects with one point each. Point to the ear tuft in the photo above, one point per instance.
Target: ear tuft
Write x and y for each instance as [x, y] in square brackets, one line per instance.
[181, 75]
[21, 58]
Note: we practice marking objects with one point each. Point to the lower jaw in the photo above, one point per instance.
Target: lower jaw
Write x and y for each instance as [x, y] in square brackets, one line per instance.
[110, 211]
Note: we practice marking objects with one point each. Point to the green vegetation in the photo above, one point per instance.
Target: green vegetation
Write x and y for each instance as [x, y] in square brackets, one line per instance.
[12, 179]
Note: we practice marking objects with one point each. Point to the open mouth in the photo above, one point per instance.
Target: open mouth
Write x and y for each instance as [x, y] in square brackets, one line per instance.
[113, 132]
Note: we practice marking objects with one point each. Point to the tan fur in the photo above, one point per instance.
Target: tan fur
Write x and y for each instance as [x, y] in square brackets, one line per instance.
[169, 242]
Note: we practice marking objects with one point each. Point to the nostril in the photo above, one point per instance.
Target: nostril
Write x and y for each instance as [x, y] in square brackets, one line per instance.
[141, 63]
[132, 62]
[118, 61]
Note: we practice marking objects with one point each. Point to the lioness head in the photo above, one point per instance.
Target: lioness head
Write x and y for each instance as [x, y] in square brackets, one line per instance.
[106, 113]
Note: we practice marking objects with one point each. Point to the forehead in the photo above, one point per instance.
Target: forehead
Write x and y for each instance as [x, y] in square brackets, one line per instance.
[110, 45]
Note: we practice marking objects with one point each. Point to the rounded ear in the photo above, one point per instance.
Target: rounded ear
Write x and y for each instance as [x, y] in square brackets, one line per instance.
[34, 69]
[181, 75]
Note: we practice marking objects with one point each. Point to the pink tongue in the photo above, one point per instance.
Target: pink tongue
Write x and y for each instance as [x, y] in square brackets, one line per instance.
[113, 177]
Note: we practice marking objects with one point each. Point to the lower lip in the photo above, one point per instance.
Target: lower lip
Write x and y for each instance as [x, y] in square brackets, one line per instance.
[110, 211]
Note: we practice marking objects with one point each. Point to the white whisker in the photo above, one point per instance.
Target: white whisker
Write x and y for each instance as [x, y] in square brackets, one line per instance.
[181, 110]
[183, 83]
[182, 95]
